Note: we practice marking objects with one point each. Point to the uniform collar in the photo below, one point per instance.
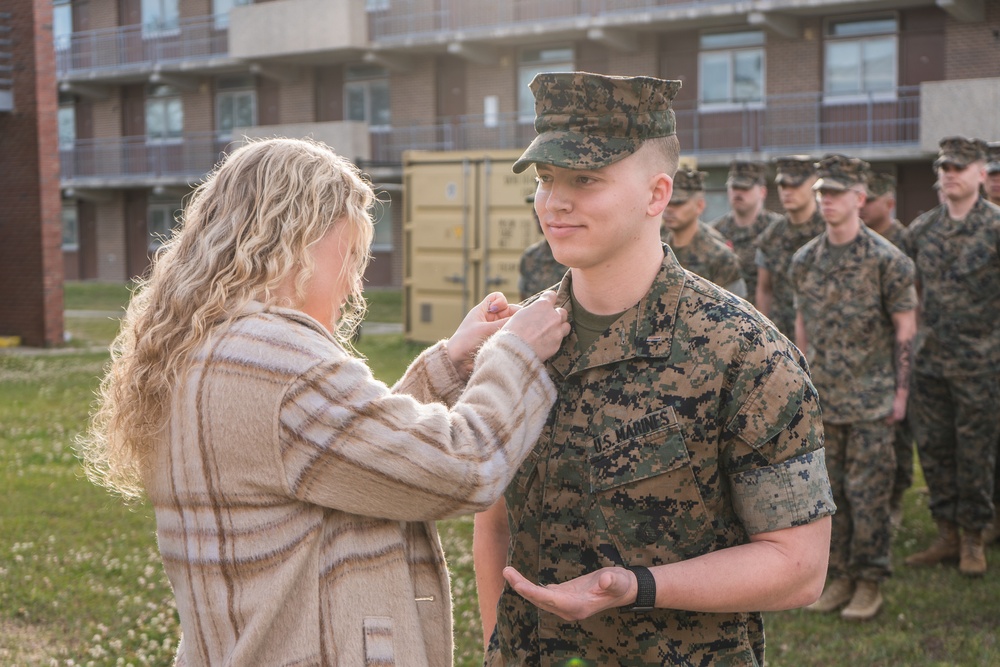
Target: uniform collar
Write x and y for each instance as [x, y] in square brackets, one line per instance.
[644, 330]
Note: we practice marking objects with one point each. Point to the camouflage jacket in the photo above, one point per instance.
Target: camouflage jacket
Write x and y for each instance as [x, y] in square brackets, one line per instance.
[743, 240]
[895, 233]
[958, 275]
[775, 248]
[710, 257]
[847, 303]
[688, 426]
[539, 269]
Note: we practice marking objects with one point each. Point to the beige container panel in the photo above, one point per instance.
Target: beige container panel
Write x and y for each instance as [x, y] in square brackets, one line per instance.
[440, 272]
[433, 317]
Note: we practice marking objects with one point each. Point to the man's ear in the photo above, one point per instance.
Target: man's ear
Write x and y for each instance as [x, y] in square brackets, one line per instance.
[661, 189]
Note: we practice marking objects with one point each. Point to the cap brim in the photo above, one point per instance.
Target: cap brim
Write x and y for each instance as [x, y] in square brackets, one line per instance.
[946, 159]
[786, 179]
[742, 182]
[830, 184]
[992, 167]
[679, 197]
[574, 150]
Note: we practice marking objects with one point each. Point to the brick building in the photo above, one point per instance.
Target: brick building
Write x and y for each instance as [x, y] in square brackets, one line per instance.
[31, 276]
[151, 92]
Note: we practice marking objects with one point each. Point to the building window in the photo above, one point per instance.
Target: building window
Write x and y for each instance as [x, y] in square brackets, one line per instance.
[70, 227]
[67, 121]
[160, 15]
[382, 216]
[536, 61]
[62, 24]
[376, 5]
[860, 58]
[220, 11]
[162, 222]
[235, 104]
[164, 114]
[366, 96]
[731, 68]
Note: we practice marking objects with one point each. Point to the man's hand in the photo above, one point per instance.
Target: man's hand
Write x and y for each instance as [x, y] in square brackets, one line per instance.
[579, 598]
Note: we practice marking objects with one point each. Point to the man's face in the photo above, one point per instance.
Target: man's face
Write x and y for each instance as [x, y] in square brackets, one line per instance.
[799, 197]
[993, 186]
[596, 216]
[878, 209]
[839, 206]
[678, 217]
[961, 183]
[745, 200]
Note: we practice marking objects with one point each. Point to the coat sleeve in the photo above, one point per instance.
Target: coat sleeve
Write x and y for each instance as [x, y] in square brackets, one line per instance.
[350, 443]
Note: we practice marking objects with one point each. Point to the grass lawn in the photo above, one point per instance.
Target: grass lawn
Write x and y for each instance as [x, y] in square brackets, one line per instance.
[80, 578]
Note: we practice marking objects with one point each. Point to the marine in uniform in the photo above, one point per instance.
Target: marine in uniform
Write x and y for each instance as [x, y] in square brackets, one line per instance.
[538, 269]
[855, 320]
[697, 246]
[802, 222]
[993, 172]
[956, 388]
[685, 449]
[877, 214]
[746, 187]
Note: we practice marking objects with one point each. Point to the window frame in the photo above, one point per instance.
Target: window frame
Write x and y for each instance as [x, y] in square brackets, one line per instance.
[364, 79]
[830, 39]
[170, 210]
[167, 24]
[234, 90]
[155, 97]
[62, 18]
[70, 214]
[732, 52]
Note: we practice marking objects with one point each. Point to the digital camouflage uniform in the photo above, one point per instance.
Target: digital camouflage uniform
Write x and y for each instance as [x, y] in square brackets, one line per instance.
[708, 253]
[745, 174]
[539, 270]
[847, 298]
[775, 248]
[686, 427]
[955, 396]
[879, 184]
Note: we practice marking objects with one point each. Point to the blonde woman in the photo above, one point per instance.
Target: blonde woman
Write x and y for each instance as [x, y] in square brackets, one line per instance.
[295, 494]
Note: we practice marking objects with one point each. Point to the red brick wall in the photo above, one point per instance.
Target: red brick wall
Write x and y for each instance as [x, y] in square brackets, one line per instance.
[31, 272]
[973, 48]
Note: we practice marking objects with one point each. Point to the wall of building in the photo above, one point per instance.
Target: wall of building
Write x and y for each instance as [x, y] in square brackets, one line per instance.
[31, 272]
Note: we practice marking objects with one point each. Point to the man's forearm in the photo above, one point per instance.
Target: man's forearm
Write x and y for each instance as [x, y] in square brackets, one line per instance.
[489, 553]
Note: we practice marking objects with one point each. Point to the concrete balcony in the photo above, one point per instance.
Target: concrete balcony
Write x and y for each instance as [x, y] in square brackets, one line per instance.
[299, 30]
[134, 52]
[870, 128]
[123, 162]
[975, 116]
[348, 138]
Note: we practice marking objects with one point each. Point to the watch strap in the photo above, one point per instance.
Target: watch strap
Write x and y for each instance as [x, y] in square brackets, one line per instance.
[645, 598]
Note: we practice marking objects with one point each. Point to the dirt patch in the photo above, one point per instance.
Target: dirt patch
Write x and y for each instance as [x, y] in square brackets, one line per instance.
[28, 646]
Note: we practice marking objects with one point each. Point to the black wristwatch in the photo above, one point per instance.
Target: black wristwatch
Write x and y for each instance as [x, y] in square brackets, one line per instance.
[645, 598]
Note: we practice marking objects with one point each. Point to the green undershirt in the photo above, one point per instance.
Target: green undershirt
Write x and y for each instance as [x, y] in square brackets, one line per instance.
[589, 326]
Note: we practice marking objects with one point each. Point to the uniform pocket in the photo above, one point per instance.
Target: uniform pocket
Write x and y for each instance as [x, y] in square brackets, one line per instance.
[378, 641]
[650, 499]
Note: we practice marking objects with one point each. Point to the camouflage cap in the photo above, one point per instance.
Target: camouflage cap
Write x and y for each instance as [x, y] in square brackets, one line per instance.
[960, 151]
[880, 183]
[839, 172]
[993, 157]
[587, 121]
[745, 174]
[794, 169]
[686, 183]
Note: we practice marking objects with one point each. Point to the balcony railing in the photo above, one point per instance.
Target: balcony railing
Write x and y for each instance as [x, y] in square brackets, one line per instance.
[784, 124]
[142, 46]
[412, 18]
[141, 160]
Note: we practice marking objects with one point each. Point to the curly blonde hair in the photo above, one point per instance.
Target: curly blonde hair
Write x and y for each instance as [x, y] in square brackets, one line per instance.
[245, 231]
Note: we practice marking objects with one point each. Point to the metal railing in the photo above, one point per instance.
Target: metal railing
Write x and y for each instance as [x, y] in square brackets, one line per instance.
[142, 46]
[142, 159]
[6, 64]
[783, 124]
[412, 18]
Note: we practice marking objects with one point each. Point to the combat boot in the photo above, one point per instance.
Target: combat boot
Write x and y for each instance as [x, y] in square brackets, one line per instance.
[944, 548]
[973, 557]
[836, 594]
[866, 602]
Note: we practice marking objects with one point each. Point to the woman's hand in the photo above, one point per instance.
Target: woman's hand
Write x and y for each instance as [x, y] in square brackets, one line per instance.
[541, 325]
[482, 322]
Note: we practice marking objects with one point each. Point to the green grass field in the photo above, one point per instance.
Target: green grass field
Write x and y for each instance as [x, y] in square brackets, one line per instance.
[81, 582]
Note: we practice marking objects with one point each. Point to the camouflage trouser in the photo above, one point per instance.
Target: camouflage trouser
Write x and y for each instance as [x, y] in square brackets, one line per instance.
[861, 464]
[903, 446]
[955, 423]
